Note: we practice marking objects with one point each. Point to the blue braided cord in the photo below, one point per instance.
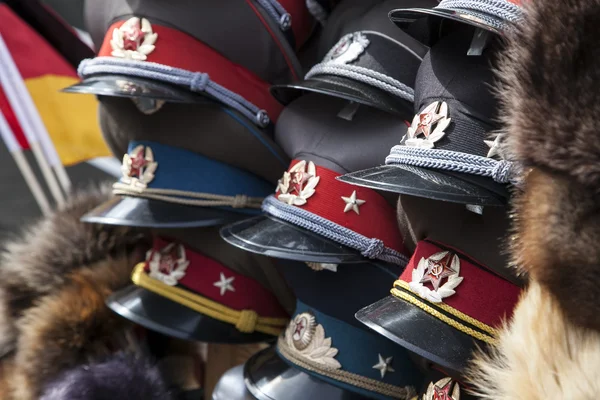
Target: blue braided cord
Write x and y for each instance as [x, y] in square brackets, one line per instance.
[365, 75]
[500, 171]
[196, 81]
[488, 10]
[278, 13]
[369, 247]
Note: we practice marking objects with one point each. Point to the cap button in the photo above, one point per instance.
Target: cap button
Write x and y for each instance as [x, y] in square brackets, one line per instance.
[262, 118]
[285, 22]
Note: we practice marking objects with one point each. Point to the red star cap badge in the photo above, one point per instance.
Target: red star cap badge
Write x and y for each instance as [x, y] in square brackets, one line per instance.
[298, 179]
[426, 121]
[132, 37]
[442, 393]
[438, 270]
[138, 161]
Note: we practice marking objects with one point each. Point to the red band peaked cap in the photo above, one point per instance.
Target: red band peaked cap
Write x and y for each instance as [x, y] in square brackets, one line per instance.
[480, 297]
[179, 50]
[210, 279]
[375, 217]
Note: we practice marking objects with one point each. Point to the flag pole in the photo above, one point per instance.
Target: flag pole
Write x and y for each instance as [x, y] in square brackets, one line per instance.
[10, 78]
[17, 152]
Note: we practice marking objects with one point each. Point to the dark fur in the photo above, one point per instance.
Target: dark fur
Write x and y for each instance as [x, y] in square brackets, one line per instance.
[551, 108]
[37, 263]
[122, 377]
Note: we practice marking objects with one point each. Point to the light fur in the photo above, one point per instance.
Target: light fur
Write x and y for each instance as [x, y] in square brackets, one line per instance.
[540, 355]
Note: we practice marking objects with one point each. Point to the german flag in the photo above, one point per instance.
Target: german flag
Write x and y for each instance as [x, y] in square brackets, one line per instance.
[70, 120]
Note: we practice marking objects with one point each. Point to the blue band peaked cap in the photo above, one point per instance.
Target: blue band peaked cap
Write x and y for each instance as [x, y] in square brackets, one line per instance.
[182, 175]
[377, 368]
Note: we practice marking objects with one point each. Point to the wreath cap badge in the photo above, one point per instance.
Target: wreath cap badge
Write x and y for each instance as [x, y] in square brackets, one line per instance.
[133, 40]
[348, 49]
[435, 114]
[306, 339]
[298, 184]
[435, 268]
[169, 264]
[138, 167]
[444, 389]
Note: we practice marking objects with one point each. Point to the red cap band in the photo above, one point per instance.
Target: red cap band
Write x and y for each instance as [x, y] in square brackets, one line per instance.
[469, 292]
[177, 49]
[210, 279]
[359, 209]
[302, 20]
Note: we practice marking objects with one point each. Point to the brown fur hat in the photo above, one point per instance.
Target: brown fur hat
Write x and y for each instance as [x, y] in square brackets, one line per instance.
[551, 105]
[38, 262]
[55, 278]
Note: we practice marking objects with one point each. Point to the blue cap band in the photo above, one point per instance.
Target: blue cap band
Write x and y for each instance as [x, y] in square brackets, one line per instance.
[378, 368]
[161, 172]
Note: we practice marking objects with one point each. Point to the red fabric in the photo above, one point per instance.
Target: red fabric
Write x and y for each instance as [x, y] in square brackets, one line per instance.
[201, 274]
[377, 219]
[12, 120]
[482, 294]
[177, 49]
[32, 54]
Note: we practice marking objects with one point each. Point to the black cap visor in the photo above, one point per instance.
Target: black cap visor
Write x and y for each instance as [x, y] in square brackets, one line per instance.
[344, 88]
[432, 184]
[162, 315]
[403, 17]
[420, 332]
[273, 237]
[268, 377]
[133, 87]
[148, 213]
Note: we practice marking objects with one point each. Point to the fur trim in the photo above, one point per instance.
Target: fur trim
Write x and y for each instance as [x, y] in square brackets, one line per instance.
[556, 242]
[122, 377]
[540, 355]
[69, 328]
[549, 75]
[38, 261]
[551, 111]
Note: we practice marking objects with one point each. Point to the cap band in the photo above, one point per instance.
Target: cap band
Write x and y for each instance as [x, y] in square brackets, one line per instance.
[191, 64]
[356, 217]
[465, 295]
[160, 172]
[326, 346]
[333, 66]
[210, 288]
[501, 171]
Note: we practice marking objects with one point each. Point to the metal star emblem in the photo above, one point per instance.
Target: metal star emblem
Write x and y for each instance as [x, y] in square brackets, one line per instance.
[300, 327]
[168, 258]
[438, 270]
[138, 161]
[133, 36]
[225, 284]
[444, 389]
[494, 146]
[426, 121]
[298, 179]
[443, 392]
[352, 203]
[384, 365]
